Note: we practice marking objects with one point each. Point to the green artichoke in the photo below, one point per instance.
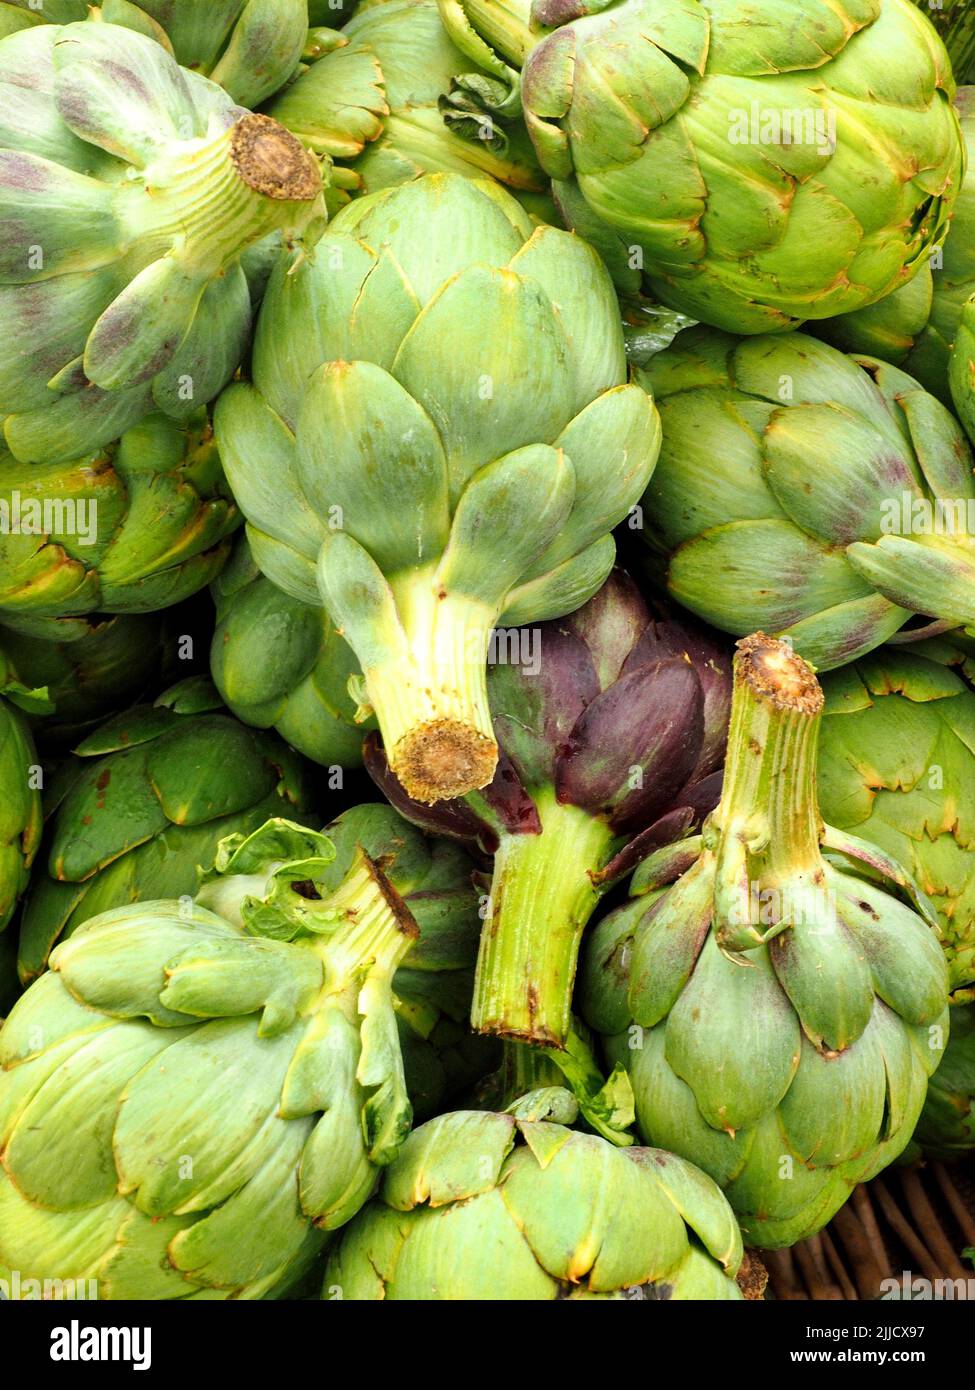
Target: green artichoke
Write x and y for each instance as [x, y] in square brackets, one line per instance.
[916, 326]
[946, 1129]
[817, 496]
[196, 1091]
[789, 160]
[778, 1009]
[143, 807]
[303, 693]
[250, 47]
[897, 767]
[129, 188]
[372, 103]
[139, 526]
[517, 1206]
[449, 450]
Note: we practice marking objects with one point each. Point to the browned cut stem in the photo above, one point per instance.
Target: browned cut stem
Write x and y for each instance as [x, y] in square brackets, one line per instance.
[272, 162]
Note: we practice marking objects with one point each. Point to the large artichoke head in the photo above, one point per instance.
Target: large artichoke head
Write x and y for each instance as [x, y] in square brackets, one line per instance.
[897, 767]
[450, 449]
[129, 189]
[372, 102]
[611, 726]
[821, 497]
[781, 1006]
[251, 47]
[787, 161]
[143, 806]
[196, 1091]
[517, 1205]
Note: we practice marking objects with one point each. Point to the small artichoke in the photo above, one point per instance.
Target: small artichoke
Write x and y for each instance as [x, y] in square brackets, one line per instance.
[139, 526]
[517, 1206]
[450, 449]
[144, 805]
[766, 164]
[122, 291]
[196, 1091]
[817, 496]
[611, 727]
[303, 694]
[897, 768]
[778, 1008]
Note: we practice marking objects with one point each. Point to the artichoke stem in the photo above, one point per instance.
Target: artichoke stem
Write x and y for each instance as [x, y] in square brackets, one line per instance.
[542, 896]
[769, 790]
[216, 196]
[432, 706]
[377, 929]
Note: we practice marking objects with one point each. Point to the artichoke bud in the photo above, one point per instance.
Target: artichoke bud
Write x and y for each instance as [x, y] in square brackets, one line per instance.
[780, 229]
[793, 971]
[418, 552]
[666, 1233]
[244, 1086]
[839, 557]
[151, 184]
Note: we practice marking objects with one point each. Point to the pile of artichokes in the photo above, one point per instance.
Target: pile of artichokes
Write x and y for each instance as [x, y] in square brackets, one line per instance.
[487, 639]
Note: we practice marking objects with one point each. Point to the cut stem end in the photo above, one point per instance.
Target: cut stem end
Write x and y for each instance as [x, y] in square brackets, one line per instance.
[776, 672]
[271, 161]
[444, 759]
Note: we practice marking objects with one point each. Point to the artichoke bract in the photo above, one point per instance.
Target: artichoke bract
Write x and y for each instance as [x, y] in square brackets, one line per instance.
[251, 47]
[517, 1206]
[129, 188]
[450, 449]
[897, 768]
[818, 496]
[20, 798]
[197, 1090]
[138, 526]
[302, 691]
[791, 161]
[955, 22]
[780, 1007]
[105, 666]
[372, 103]
[946, 1129]
[143, 807]
[916, 326]
[611, 726]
